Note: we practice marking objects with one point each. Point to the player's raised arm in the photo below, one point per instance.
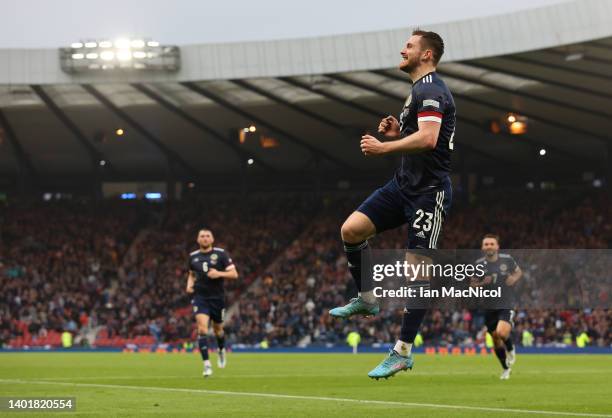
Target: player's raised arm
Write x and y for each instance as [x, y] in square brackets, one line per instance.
[425, 139]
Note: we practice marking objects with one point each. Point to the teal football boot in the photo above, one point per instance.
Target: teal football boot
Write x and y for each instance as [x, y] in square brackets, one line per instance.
[391, 365]
[356, 306]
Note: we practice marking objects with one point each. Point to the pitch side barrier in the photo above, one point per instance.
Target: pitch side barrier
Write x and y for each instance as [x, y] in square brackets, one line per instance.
[465, 279]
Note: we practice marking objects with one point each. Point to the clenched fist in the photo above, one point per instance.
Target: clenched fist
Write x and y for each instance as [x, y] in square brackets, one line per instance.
[372, 146]
[389, 126]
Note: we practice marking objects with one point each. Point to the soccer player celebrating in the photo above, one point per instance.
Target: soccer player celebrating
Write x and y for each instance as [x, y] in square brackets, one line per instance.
[208, 266]
[420, 191]
[501, 270]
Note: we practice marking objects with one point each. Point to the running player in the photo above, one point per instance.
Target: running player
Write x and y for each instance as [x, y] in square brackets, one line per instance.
[208, 266]
[501, 270]
[420, 192]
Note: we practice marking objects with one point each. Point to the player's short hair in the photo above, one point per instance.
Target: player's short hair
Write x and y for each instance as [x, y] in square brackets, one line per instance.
[494, 236]
[205, 229]
[433, 41]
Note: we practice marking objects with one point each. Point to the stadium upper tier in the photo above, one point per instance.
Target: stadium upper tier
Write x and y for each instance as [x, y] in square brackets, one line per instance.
[310, 100]
[525, 30]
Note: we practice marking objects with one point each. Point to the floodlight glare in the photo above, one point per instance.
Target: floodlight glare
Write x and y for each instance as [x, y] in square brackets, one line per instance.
[124, 55]
[122, 43]
[107, 55]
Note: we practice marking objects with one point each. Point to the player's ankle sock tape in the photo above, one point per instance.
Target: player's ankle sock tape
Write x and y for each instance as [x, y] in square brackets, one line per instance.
[501, 355]
[402, 348]
[221, 342]
[411, 322]
[203, 346]
[354, 254]
[509, 343]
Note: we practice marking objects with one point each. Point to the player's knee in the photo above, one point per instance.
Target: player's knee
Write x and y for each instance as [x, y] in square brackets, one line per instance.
[502, 334]
[202, 329]
[351, 232]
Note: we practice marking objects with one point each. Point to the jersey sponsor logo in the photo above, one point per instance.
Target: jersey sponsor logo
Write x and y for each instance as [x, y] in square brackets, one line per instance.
[430, 102]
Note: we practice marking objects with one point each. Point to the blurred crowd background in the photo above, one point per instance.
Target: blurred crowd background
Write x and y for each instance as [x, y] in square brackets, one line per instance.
[113, 273]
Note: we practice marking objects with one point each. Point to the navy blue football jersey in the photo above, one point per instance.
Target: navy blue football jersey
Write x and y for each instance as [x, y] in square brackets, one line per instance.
[200, 263]
[499, 270]
[430, 100]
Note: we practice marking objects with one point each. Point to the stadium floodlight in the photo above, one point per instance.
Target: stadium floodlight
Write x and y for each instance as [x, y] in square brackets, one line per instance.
[107, 55]
[250, 161]
[542, 152]
[124, 55]
[119, 132]
[122, 43]
[119, 55]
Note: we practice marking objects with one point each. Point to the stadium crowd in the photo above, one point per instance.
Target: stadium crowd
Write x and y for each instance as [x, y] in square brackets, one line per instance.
[290, 304]
[119, 269]
[114, 273]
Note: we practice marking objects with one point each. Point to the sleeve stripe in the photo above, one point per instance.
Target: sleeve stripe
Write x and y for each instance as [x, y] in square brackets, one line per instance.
[430, 119]
[430, 113]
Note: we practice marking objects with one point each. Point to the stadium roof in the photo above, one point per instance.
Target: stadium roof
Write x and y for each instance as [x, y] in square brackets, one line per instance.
[315, 106]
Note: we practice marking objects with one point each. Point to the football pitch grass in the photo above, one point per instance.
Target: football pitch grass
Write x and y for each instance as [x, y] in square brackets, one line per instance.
[293, 385]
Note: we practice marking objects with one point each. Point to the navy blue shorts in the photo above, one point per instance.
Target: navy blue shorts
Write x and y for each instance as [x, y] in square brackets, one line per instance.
[388, 208]
[494, 316]
[214, 308]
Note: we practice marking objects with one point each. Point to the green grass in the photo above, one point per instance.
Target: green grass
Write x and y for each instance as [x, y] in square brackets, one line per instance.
[129, 385]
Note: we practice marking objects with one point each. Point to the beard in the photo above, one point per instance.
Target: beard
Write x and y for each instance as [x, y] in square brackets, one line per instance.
[408, 65]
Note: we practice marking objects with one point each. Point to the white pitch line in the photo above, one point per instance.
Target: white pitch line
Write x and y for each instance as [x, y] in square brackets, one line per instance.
[310, 398]
[258, 376]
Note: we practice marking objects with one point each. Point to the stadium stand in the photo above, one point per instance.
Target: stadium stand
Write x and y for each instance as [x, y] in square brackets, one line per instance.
[114, 274]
